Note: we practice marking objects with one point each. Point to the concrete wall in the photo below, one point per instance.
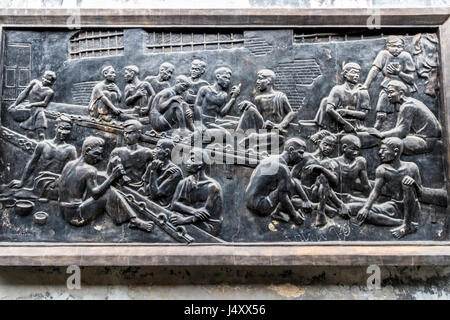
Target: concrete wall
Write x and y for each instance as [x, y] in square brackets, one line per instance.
[225, 282]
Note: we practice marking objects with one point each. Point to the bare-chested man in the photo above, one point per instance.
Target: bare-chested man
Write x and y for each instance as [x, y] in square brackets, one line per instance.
[272, 189]
[212, 100]
[169, 110]
[416, 125]
[161, 81]
[317, 171]
[401, 184]
[271, 110]
[162, 175]
[133, 157]
[82, 198]
[347, 105]
[212, 104]
[198, 198]
[138, 94]
[105, 97]
[35, 97]
[352, 168]
[198, 68]
[48, 159]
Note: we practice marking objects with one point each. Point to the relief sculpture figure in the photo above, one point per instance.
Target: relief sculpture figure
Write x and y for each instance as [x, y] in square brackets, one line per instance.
[272, 191]
[47, 162]
[162, 175]
[271, 109]
[347, 105]
[30, 104]
[162, 80]
[198, 199]
[169, 110]
[198, 68]
[395, 64]
[399, 183]
[133, 157]
[105, 97]
[416, 125]
[138, 94]
[83, 198]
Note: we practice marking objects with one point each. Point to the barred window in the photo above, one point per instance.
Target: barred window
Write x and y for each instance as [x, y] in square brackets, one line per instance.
[99, 43]
[158, 42]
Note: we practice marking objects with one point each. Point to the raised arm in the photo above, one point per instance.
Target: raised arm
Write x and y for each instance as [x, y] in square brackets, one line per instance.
[235, 91]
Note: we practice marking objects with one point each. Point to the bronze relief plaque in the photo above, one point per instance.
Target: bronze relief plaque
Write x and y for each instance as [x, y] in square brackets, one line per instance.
[242, 135]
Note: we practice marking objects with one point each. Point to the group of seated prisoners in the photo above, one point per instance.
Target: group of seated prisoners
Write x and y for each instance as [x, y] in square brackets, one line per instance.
[283, 186]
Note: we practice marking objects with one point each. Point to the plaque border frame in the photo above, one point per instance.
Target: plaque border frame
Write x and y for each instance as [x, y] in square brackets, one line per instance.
[333, 253]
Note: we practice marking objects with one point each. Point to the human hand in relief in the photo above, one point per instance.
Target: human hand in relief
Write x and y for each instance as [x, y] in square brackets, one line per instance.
[202, 214]
[236, 91]
[244, 105]
[393, 68]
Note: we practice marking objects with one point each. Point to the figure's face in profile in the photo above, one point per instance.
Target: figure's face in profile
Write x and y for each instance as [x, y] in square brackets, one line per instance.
[165, 73]
[224, 79]
[386, 153]
[110, 75]
[63, 130]
[47, 80]
[326, 146]
[394, 95]
[395, 48]
[181, 85]
[94, 155]
[193, 165]
[352, 75]
[131, 135]
[129, 75]
[263, 82]
[296, 155]
[351, 151]
[196, 71]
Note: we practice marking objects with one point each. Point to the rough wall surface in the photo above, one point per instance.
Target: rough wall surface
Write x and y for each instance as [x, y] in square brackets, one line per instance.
[225, 282]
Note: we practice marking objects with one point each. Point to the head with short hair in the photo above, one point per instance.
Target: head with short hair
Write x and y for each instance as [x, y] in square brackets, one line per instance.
[198, 68]
[326, 141]
[295, 148]
[351, 145]
[396, 91]
[165, 71]
[198, 160]
[63, 127]
[391, 148]
[132, 131]
[109, 73]
[132, 68]
[395, 45]
[164, 148]
[351, 72]
[49, 77]
[265, 79]
[182, 83]
[92, 149]
[223, 76]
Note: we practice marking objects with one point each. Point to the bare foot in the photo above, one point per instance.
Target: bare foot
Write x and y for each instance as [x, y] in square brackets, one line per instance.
[404, 229]
[137, 223]
[77, 222]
